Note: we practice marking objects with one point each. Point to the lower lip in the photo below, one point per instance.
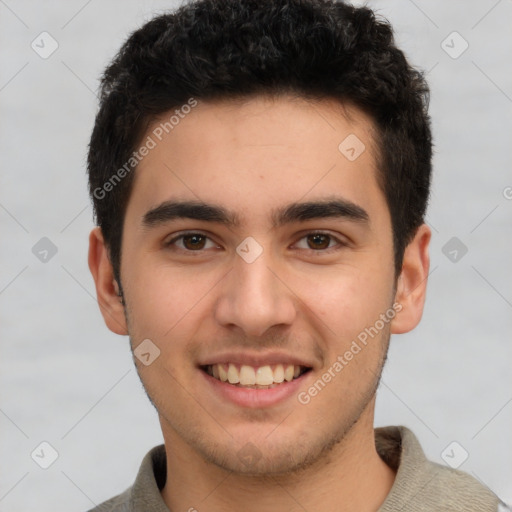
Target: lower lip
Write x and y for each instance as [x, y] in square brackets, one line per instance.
[255, 398]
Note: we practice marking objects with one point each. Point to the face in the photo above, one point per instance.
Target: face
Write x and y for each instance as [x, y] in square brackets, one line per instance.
[257, 249]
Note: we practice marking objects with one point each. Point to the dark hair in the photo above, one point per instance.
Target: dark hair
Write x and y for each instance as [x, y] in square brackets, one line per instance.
[222, 49]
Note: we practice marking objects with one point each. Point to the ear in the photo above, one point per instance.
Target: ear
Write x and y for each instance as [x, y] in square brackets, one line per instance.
[107, 289]
[412, 282]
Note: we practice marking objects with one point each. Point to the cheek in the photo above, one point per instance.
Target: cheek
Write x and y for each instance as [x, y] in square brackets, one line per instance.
[346, 300]
[153, 304]
[166, 302]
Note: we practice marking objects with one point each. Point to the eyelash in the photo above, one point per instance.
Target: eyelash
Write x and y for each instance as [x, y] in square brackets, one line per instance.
[340, 244]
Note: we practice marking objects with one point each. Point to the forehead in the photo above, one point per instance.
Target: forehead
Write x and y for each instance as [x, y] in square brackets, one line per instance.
[256, 154]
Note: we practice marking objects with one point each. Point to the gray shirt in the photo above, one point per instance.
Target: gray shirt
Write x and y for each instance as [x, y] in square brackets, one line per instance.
[420, 485]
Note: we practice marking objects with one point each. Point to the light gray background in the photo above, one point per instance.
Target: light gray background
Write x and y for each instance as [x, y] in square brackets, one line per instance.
[67, 380]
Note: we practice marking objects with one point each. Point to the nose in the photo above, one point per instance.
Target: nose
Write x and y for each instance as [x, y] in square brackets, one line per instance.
[255, 298]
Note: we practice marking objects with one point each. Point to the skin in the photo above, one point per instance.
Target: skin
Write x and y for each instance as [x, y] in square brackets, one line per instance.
[252, 157]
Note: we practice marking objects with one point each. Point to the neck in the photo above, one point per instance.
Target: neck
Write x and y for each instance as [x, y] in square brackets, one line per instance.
[352, 476]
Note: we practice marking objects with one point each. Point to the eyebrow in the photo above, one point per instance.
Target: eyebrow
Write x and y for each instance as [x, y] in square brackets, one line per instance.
[294, 212]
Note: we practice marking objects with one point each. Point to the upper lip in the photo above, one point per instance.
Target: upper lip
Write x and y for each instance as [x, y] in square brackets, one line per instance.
[255, 359]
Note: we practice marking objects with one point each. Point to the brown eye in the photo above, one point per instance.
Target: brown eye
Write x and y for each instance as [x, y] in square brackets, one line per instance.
[190, 242]
[194, 242]
[318, 241]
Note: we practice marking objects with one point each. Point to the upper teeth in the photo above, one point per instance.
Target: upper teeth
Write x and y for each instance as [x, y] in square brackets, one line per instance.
[250, 375]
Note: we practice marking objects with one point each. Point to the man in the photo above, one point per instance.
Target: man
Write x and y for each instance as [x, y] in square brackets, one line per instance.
[260, 172]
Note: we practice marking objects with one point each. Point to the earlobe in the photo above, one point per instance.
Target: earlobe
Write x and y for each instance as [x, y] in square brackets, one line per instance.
[107, 290]
[412, 282]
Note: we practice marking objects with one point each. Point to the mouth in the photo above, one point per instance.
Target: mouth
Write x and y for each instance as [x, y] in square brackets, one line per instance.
[255, 377]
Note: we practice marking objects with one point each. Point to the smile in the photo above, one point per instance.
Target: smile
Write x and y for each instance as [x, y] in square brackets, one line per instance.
[255, 377]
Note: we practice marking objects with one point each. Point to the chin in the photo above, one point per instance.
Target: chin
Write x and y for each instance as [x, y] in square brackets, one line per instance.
[268, 454]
